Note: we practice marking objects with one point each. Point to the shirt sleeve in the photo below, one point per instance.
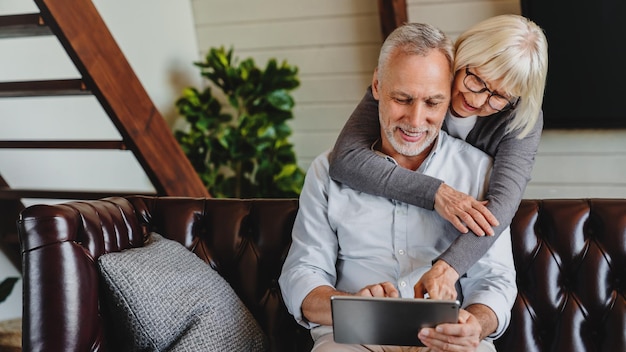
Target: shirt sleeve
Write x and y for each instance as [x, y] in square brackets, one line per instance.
[353, 163]
[311, 260]
[512, 167]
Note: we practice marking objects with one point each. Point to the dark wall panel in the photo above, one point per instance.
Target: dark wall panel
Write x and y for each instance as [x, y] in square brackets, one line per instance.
[586, 86]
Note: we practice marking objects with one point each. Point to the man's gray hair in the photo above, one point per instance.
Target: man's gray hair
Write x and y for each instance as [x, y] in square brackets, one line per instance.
[415, 39]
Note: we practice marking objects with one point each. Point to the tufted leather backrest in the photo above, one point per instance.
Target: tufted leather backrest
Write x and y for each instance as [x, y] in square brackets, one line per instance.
[570, 256]
[60, 278]
[245, 240]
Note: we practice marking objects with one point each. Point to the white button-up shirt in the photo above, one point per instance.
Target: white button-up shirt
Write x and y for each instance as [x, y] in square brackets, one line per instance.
[348, 239]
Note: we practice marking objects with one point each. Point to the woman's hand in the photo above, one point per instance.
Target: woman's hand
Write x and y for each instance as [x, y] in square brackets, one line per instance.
[438, 282]
[464, 212]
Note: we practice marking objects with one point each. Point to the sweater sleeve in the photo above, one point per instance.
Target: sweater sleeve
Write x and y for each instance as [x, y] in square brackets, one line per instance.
[353, 163]
[513, 163]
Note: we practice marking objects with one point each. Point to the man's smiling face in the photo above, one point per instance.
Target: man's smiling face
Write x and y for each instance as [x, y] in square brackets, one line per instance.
[413, 93]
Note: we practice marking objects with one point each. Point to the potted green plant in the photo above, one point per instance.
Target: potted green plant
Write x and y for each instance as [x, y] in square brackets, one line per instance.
[237, 138]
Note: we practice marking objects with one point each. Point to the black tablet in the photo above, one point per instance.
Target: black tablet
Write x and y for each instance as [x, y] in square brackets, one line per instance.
[387, 321]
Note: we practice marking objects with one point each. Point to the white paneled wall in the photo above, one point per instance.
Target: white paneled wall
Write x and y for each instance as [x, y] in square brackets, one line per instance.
[580, 163]
[335, 44]
[454, 16]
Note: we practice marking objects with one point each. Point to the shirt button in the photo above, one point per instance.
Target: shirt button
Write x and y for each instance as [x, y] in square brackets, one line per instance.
[401, 252]
[402, 283]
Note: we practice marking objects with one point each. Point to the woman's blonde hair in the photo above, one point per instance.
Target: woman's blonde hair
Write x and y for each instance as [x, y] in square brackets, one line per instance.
[512, 49]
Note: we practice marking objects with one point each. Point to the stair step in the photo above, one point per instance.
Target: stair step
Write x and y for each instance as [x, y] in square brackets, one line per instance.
[97, 145]
[17, 193]
[43, 88]
[26, 25]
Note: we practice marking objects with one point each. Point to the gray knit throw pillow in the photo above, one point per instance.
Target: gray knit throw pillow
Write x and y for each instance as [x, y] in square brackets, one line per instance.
[162, 297]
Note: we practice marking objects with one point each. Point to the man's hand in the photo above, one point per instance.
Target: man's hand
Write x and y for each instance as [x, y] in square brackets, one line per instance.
[475, 323]
[438, 282]
[383, 289]
[462, 336]
[316, 305]
[464, 211]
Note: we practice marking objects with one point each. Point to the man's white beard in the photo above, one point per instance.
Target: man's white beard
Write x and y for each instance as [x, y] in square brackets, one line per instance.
[411, 149]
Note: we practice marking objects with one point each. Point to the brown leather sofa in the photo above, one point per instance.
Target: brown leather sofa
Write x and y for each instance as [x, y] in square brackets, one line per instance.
[570, 257]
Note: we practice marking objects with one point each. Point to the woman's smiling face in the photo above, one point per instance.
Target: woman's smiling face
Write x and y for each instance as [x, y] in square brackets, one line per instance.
[466, 103]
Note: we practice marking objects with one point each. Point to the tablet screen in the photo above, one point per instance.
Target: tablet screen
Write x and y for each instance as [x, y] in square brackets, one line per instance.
[387, 321]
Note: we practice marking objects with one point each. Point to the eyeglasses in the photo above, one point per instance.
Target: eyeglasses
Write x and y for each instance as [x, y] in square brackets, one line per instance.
[496, 101]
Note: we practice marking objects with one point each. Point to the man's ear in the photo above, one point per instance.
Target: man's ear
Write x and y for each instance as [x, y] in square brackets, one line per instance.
[375, 85]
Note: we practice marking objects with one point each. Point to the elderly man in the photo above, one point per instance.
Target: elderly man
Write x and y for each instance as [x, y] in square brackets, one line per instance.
[351, 243]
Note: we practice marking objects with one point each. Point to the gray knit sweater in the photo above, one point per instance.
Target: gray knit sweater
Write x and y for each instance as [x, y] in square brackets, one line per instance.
[353, 163]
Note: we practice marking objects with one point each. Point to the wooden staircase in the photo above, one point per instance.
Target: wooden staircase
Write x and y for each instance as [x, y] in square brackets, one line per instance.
[105, 74]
